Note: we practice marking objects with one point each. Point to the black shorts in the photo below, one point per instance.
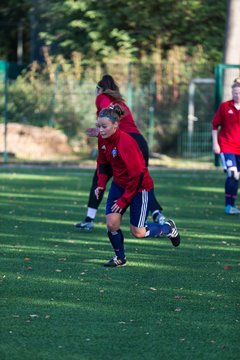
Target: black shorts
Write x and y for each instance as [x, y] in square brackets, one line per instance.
[142, 143]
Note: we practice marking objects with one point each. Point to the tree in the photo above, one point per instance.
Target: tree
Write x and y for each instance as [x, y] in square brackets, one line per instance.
[128, 28]
[131, 28]
[232, 45]
[13, 29]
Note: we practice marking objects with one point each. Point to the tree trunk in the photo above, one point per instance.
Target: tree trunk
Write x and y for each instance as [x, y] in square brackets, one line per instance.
[232, 46]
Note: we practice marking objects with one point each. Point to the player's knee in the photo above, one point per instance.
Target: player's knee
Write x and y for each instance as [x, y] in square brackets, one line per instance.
[113, 221]
[233, 173]
[138, 232]
[112, 225]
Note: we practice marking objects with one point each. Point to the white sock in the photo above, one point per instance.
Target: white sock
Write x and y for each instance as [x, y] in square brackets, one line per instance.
[155, 212]
[91, 212]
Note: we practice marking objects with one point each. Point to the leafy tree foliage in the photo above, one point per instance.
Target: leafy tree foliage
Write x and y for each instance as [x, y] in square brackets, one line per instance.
[99, 29]
[169, 42]
[96, 28]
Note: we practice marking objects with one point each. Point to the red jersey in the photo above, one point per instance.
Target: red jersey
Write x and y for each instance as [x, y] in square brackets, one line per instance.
[227, 118]
[127, 122]
[121, 152]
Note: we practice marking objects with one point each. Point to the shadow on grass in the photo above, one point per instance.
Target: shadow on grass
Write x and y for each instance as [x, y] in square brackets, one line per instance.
[59, 302]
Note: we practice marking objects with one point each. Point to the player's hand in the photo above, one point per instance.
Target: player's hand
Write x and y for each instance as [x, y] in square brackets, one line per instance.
[92, 132]
[116, 209]
[216, 148]
[98, 191]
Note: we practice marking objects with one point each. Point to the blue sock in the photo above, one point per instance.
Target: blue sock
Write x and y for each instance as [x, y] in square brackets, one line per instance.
[231, 188]
[155, 230]
[117, 241]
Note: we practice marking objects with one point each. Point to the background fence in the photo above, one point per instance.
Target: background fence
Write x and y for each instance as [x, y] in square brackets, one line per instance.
[172, 109]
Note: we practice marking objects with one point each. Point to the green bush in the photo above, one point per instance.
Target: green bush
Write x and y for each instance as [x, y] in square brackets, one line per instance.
[61, 93]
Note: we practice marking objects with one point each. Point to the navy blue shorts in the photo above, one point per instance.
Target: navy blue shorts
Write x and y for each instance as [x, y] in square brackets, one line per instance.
[139, 207]
[230, 160]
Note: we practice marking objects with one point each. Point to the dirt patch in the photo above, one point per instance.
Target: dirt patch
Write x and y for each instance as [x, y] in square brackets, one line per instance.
[34, 143]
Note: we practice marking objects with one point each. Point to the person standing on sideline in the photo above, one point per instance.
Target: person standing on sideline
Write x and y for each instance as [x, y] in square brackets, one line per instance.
[107, 92]
[132, 185]
[226, 142]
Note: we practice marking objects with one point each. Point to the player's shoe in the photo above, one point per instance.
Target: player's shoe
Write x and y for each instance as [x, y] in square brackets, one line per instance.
[174, 235]
[159, 219]
[116, 262]
[231, 210]
[85, 225]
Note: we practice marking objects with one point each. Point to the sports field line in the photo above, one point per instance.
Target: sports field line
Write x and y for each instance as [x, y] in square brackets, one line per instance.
[207, 176]
[164, 173]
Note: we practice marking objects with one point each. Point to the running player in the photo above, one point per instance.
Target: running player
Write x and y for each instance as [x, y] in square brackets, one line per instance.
[107, 92]
[132, 186]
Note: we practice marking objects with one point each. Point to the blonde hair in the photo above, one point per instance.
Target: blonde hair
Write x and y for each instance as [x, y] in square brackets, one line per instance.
[114, 94]
[236, 83]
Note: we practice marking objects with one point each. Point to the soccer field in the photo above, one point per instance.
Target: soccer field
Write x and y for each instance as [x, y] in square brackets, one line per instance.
[59, 303]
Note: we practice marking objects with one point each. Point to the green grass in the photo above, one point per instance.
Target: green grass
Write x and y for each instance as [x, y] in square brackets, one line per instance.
[59, 302]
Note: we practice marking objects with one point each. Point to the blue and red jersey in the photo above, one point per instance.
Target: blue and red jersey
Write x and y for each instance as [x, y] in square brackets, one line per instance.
[227, 118]
[121, 152]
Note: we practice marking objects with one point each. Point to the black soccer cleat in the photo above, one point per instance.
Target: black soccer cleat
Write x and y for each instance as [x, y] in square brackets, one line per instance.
[116, 262]
[85, 225]
[174, 235]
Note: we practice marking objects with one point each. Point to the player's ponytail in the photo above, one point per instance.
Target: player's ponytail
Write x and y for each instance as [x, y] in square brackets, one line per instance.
[114, 112]
[117, 109]
[236, 83]
[109, 87]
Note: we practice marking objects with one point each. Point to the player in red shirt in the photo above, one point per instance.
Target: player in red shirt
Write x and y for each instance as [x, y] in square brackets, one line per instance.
[226, 142]
[132, 186]
[108, 93]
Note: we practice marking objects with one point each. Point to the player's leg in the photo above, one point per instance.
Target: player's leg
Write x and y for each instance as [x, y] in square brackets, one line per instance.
[139, 209]
[156, 211]
[114, 232]
[93, 204]
[238, 169]
[231, 183]
[155, 207]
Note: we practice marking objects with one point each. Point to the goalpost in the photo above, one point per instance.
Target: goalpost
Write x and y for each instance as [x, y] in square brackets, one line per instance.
[221, 89]
[4, 90]
[191, 106]
[224, 76]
